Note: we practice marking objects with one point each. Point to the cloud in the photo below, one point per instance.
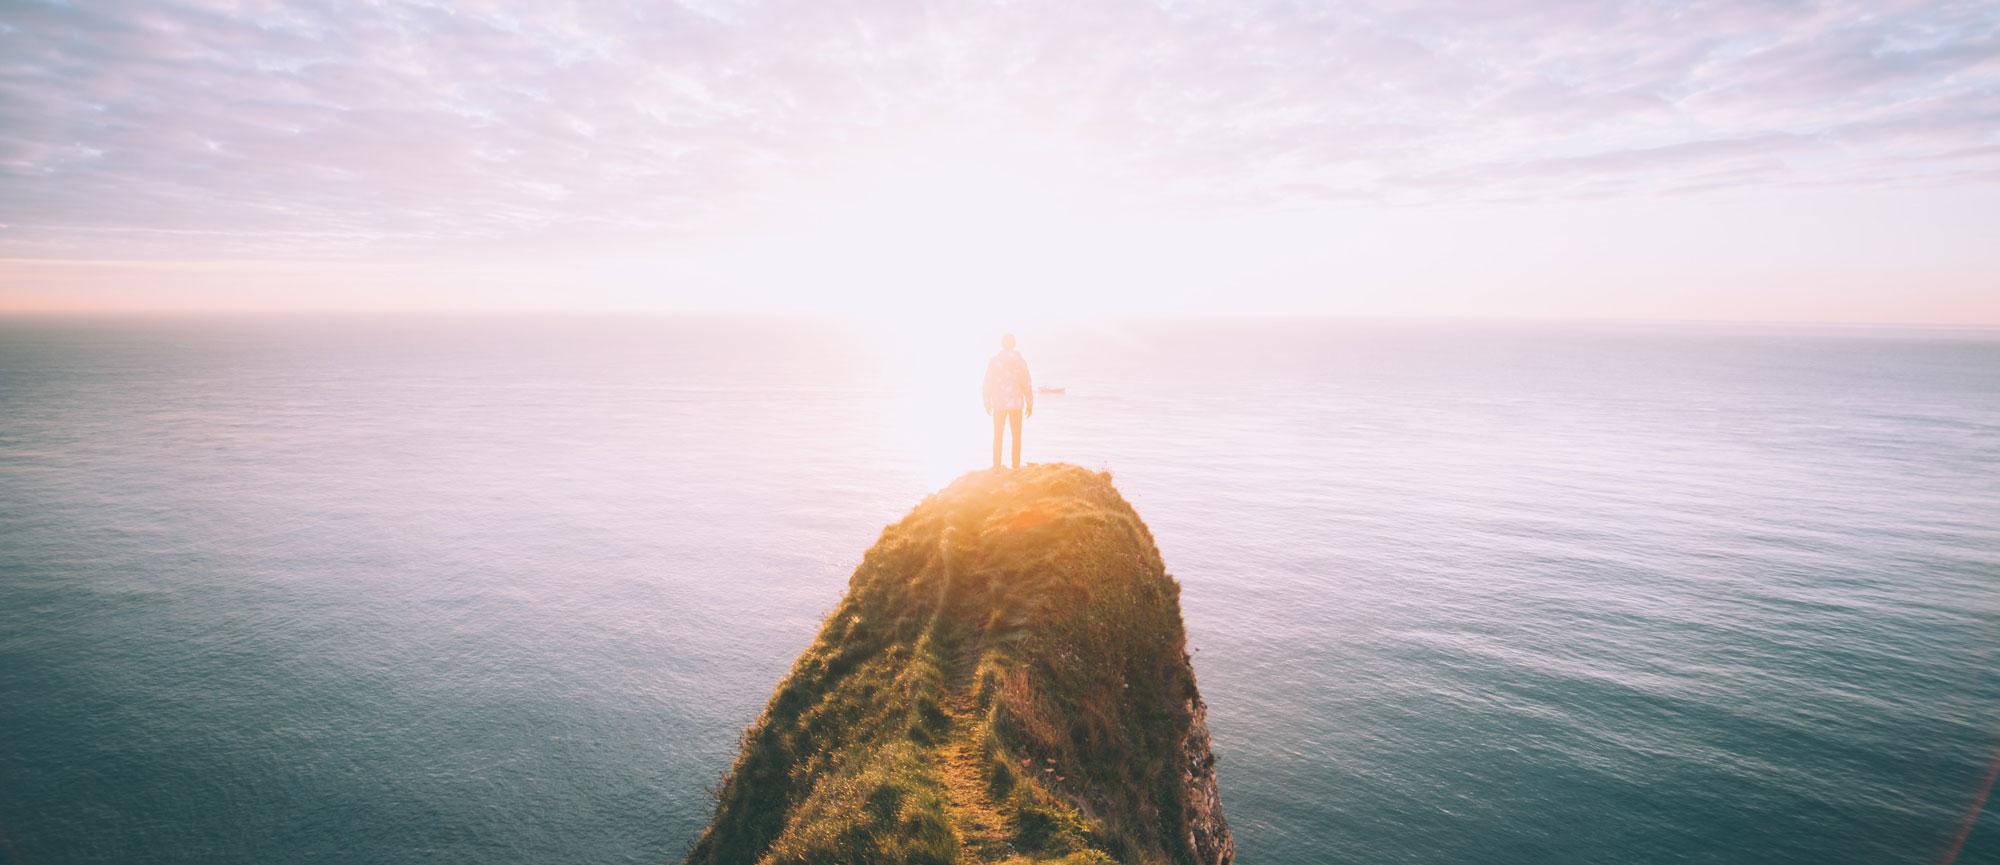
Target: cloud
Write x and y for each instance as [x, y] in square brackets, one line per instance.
[248, 128]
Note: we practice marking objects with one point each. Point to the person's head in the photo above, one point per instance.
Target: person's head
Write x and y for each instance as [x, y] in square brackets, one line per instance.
[1006, 340]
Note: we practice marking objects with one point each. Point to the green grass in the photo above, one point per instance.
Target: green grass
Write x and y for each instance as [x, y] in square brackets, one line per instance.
[1005, 681]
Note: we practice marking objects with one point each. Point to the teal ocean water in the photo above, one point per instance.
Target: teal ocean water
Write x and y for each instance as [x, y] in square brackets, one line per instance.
[423, 590]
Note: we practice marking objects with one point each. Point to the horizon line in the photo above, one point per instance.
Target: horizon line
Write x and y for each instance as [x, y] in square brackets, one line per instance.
[271, 312]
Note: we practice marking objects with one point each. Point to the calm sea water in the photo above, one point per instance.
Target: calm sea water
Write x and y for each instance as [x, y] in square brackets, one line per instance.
[412, 590]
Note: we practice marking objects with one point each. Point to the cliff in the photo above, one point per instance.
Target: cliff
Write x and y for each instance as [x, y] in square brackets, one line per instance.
[1006, 680]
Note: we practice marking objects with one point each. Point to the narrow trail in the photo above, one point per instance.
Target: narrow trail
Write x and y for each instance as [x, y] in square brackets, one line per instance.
[983, 829]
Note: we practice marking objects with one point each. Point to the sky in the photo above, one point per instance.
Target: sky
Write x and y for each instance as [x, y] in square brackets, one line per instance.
[1758, 161]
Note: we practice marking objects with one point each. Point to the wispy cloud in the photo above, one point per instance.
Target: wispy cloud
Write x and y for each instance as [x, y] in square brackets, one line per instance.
[238, 127]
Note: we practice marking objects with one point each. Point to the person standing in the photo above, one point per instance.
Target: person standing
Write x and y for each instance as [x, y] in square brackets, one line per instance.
[1010, 395]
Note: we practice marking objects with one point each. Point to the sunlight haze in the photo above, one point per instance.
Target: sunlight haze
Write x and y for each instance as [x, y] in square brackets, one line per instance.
[1792, 162]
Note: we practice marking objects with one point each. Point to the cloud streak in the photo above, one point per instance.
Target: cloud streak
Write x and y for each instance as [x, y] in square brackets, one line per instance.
[320, 128]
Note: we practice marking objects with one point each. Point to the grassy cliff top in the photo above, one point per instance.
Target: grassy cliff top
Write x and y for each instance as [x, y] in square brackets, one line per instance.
[1005, 681]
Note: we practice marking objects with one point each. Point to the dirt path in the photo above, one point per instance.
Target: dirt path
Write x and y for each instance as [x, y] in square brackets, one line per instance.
[982, 828]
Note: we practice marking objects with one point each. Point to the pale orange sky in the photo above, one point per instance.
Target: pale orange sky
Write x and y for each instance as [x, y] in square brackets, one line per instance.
[1533, 158]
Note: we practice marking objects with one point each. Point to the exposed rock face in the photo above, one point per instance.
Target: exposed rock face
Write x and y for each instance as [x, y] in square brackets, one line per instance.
[1005, 680]
[1208, 833]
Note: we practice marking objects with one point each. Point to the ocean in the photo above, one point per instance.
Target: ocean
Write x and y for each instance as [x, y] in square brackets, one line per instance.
[505, 588]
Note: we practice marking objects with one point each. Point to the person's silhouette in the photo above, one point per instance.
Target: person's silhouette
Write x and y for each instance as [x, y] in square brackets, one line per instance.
[1009, 393]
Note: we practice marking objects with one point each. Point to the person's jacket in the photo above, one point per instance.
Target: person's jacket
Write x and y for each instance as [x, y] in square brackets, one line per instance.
[1007, 384]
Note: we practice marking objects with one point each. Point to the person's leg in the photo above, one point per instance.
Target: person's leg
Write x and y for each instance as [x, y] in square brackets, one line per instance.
[1014, 418]
[999, 427]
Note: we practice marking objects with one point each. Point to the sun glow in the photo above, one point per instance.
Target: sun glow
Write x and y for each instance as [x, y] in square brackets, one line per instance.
[934, 374]
[942, 228]
[936, 247]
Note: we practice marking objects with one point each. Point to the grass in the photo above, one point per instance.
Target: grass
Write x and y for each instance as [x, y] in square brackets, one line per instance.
[1005, 681]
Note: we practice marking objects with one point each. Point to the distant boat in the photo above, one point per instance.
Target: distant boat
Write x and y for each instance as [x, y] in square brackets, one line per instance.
[1047, 389]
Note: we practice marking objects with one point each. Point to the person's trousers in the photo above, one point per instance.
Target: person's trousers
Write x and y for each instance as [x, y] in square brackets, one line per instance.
[1001, 419]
